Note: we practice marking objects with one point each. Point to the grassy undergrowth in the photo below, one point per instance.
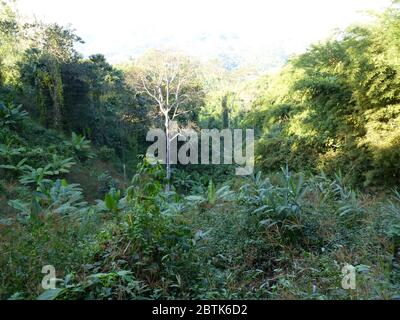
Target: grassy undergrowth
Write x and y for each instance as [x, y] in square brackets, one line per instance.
[263, 241]
[282, 236]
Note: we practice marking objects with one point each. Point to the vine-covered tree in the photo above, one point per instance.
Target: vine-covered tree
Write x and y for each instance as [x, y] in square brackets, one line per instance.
[52, 46]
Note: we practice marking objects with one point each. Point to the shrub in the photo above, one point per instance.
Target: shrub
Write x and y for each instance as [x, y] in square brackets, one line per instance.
[11, 115]
[81, 146]
[106, 154]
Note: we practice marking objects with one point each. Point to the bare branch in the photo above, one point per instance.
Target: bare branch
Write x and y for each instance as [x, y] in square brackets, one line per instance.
[177, 97]
[148, 91]
[176, 136]
[182, 113]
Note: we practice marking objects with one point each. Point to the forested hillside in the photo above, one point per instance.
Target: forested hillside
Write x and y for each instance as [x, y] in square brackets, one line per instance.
[336, 107]
[78, 193]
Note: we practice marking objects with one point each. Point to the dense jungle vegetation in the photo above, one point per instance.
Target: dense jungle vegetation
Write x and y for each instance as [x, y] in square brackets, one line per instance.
[77, 193]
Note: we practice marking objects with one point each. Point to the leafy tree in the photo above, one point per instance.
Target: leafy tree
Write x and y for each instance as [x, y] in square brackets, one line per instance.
[53, 45]
[336, 106]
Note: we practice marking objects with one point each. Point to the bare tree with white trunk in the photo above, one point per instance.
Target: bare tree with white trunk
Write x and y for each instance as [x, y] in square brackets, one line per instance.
[170, 80]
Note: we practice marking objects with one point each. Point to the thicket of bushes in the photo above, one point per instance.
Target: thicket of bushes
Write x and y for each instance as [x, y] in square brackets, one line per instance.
[282, 236]
[337, 107]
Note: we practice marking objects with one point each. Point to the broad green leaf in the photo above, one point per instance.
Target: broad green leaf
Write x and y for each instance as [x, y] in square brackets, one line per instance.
[50, 294]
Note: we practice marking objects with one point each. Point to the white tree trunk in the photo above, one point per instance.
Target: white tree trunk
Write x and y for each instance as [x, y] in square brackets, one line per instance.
[168, 160]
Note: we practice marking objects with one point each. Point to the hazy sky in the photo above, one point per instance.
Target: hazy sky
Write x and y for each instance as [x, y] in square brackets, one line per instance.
[125, 28]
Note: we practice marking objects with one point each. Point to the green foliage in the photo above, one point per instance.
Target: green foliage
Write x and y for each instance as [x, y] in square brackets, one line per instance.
[106, 183]
[11, 115]
[60, 165]
[278, 207]
[18, 168]
[392, 224]
[64, 198]
[7, 151]
[81, 146]
[36, 177]
[336, 107]
[148, 182]
[65, 241]
[55, 198]
[226, 242]
[275, 235]
[107, 154]
[211, 193]
[112, 199]
[212, 196]
[112, 202]
[120, 285]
